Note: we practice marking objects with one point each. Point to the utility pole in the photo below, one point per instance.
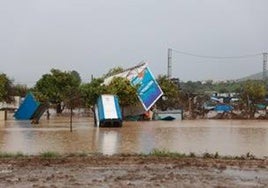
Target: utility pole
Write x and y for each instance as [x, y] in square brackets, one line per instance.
[264, 74]
[169, 73]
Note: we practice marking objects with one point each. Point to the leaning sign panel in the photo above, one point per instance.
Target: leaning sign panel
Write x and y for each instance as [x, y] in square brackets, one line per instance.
[148, 89]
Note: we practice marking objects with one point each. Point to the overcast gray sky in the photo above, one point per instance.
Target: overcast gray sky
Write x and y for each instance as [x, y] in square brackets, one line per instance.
[92, 37]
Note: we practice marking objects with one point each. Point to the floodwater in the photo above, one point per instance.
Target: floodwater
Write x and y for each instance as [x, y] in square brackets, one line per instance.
[227, 137]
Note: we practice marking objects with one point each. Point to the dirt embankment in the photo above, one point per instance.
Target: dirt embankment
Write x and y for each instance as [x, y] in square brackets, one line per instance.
[132, 171]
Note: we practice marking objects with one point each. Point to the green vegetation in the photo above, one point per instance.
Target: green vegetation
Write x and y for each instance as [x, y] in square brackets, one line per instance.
[64, 89]
[58, 87]
[153, 153]
[11, 155]
[82, 154]
[5, 88]
[209, 87]
[79, 154]
[49, 154]
[118, 86]
[211, 155]
[91, 91]
[171, 98]
[192, 154]
[165, 153]
[123, 89]
[253, 92]
[206, 155]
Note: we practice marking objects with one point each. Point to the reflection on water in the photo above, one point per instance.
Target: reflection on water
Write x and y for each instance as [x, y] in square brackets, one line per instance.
[109, 142]
[227, 137]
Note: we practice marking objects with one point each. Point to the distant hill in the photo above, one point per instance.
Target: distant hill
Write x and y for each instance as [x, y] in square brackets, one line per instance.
[257, 76]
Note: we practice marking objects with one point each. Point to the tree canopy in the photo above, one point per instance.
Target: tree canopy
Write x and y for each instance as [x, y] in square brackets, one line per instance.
[118, 86]
[91, 91]
[253, 92]
[171, 94]
[58, 86]
[5, 88]
[64, 88]
[124, 90]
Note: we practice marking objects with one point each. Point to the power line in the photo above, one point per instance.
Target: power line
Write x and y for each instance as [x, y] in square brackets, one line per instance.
[214, 57]
[217, 57]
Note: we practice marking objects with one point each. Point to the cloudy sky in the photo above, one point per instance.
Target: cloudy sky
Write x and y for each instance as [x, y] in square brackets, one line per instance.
[93, 36]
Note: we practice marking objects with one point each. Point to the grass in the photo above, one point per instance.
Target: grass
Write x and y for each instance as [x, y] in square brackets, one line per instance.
[154, 153]
[83, 154]
[79, 154]
[211, 155]
[165, 153]
[49, 154]
[11, 155]
[192, 154]
[206, 155]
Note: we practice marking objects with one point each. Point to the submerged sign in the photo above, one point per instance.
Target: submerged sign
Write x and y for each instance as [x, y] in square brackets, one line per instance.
[148, 89]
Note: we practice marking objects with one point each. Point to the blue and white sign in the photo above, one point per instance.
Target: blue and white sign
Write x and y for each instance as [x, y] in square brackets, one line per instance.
[148, 89]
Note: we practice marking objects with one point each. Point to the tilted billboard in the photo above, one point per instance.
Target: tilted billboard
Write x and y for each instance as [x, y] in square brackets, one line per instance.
[148, 89]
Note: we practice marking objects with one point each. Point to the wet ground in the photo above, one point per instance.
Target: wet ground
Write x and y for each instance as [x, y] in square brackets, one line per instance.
[226, 137]
[132, 171]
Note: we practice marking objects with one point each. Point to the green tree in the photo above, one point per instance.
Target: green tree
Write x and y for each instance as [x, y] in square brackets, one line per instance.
[5, 88]
[191, 87]
[171, 95]
[91, 91]
[76, 76]
[124, 90]
[58, 87]
[227, 87]
[253, 92]
[119, 86]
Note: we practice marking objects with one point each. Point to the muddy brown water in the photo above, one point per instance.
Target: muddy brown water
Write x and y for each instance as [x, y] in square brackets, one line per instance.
[227, 137]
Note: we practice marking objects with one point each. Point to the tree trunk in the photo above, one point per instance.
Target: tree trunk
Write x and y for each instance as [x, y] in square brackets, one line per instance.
[252, 112]
[58, 108]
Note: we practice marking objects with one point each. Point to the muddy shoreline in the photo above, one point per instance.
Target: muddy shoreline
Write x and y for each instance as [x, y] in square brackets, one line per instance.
[132, 171]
